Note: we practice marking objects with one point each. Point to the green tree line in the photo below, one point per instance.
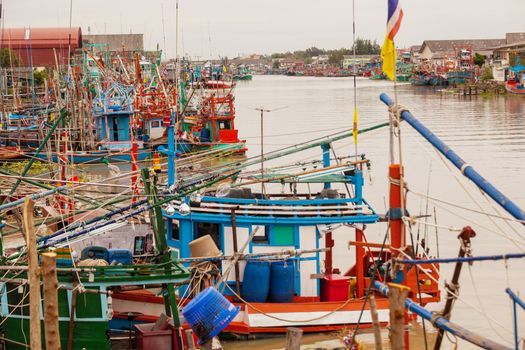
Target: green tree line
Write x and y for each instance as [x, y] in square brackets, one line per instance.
[362, 47]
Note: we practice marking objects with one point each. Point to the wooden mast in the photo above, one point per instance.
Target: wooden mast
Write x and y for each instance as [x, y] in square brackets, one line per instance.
[33, 274]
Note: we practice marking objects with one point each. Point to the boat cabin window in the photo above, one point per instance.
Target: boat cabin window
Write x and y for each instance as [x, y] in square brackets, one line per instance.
[224, 124]
[14, 298]
[155, 124]
[139, 245]
[175, 231]
[206, 228]
[261, 236]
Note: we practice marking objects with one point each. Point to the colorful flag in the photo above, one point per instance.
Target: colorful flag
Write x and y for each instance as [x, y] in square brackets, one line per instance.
[388, 51]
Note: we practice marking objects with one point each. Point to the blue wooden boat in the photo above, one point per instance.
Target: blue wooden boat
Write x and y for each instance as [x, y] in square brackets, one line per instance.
[460, 77]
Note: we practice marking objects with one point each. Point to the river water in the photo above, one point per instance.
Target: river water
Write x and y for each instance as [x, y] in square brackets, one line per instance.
[488, 132]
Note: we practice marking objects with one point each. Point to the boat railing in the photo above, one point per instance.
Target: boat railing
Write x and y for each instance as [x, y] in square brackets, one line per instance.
[341, 207]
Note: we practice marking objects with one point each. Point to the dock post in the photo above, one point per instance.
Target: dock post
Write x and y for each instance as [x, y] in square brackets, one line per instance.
[293, 338]
[396, 299]
[49, 277]
[35, 335]
[375, 321]
[452, 288]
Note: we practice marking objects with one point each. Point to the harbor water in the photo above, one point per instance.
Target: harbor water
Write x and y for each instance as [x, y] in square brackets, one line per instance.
[488, 132]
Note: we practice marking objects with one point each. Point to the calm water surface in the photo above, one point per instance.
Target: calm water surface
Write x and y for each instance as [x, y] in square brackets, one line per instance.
[489, 133]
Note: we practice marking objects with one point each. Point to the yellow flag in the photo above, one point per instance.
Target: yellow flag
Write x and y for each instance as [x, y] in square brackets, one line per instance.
[354, 129]
[389, 56]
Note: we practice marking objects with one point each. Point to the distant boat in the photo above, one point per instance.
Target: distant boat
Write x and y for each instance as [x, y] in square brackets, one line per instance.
[11, 152]
[515, 85]
[438, 80]
[420, 79]
[460, 77]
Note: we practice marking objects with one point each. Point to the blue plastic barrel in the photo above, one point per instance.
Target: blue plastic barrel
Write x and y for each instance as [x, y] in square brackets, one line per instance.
[209, 313]
[256, 281]
[120, 256]
[282, 285]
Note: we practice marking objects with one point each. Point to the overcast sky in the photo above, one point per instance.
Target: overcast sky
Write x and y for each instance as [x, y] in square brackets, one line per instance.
[233, 27]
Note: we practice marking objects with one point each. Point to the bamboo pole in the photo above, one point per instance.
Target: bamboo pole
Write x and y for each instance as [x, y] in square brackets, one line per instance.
[396, 299]
[375, 322]
[49, 276]
[34, 276]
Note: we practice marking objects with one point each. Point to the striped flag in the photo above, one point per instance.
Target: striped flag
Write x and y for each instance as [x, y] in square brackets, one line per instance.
[388, 51]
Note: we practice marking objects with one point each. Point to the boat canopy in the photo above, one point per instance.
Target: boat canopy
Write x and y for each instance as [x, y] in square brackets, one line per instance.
[517, 69]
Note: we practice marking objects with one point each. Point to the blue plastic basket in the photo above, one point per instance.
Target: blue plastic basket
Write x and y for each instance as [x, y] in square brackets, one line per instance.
[209, 313]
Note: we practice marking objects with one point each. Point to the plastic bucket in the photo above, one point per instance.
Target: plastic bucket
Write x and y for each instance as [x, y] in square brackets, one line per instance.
[209, 313]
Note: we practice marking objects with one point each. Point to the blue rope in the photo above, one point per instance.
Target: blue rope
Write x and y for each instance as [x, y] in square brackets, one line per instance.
[464, 259]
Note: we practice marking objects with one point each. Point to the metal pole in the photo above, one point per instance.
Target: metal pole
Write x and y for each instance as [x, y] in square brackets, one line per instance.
[452, 288]
[445, 324]
[262, 152]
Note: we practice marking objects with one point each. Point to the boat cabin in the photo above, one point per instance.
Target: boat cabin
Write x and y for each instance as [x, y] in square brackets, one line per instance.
[277, 222]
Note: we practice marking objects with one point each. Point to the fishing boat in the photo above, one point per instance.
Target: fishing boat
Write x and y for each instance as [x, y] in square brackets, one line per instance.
[296, 282]
[515, 84]
[243, 73]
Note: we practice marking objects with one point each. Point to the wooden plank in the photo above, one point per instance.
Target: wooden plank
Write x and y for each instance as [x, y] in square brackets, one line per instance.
[49, 276]
[33, 274]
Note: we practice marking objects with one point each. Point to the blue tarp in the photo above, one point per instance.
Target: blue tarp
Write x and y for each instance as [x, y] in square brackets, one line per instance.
[517, 69]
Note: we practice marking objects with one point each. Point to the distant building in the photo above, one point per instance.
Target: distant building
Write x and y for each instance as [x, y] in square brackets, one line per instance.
[440, 49]
[514, 47]
[287, 63]
[116, 42]
[42, 47]
[320, 60]
[360, 60]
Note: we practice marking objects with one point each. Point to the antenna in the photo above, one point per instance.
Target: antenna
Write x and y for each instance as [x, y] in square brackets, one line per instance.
[163, 29]
[355, 79]
[262, 110]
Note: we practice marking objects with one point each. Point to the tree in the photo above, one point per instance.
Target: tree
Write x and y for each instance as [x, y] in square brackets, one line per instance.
[8, 58]
[308, 60]
[275, 64]
[479, 59]
[486, 74]
[336, 57]
[40, 76]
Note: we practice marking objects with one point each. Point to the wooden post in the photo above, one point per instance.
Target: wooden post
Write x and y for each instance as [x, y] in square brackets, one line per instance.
[49, 276]
[235, 250]
[189, 339]
[453, 288]
[396, 298]
[293, 338]
[33, 274]
[375, 322]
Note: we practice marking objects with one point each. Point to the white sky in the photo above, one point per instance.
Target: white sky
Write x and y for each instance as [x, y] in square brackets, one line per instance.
[233, 27]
